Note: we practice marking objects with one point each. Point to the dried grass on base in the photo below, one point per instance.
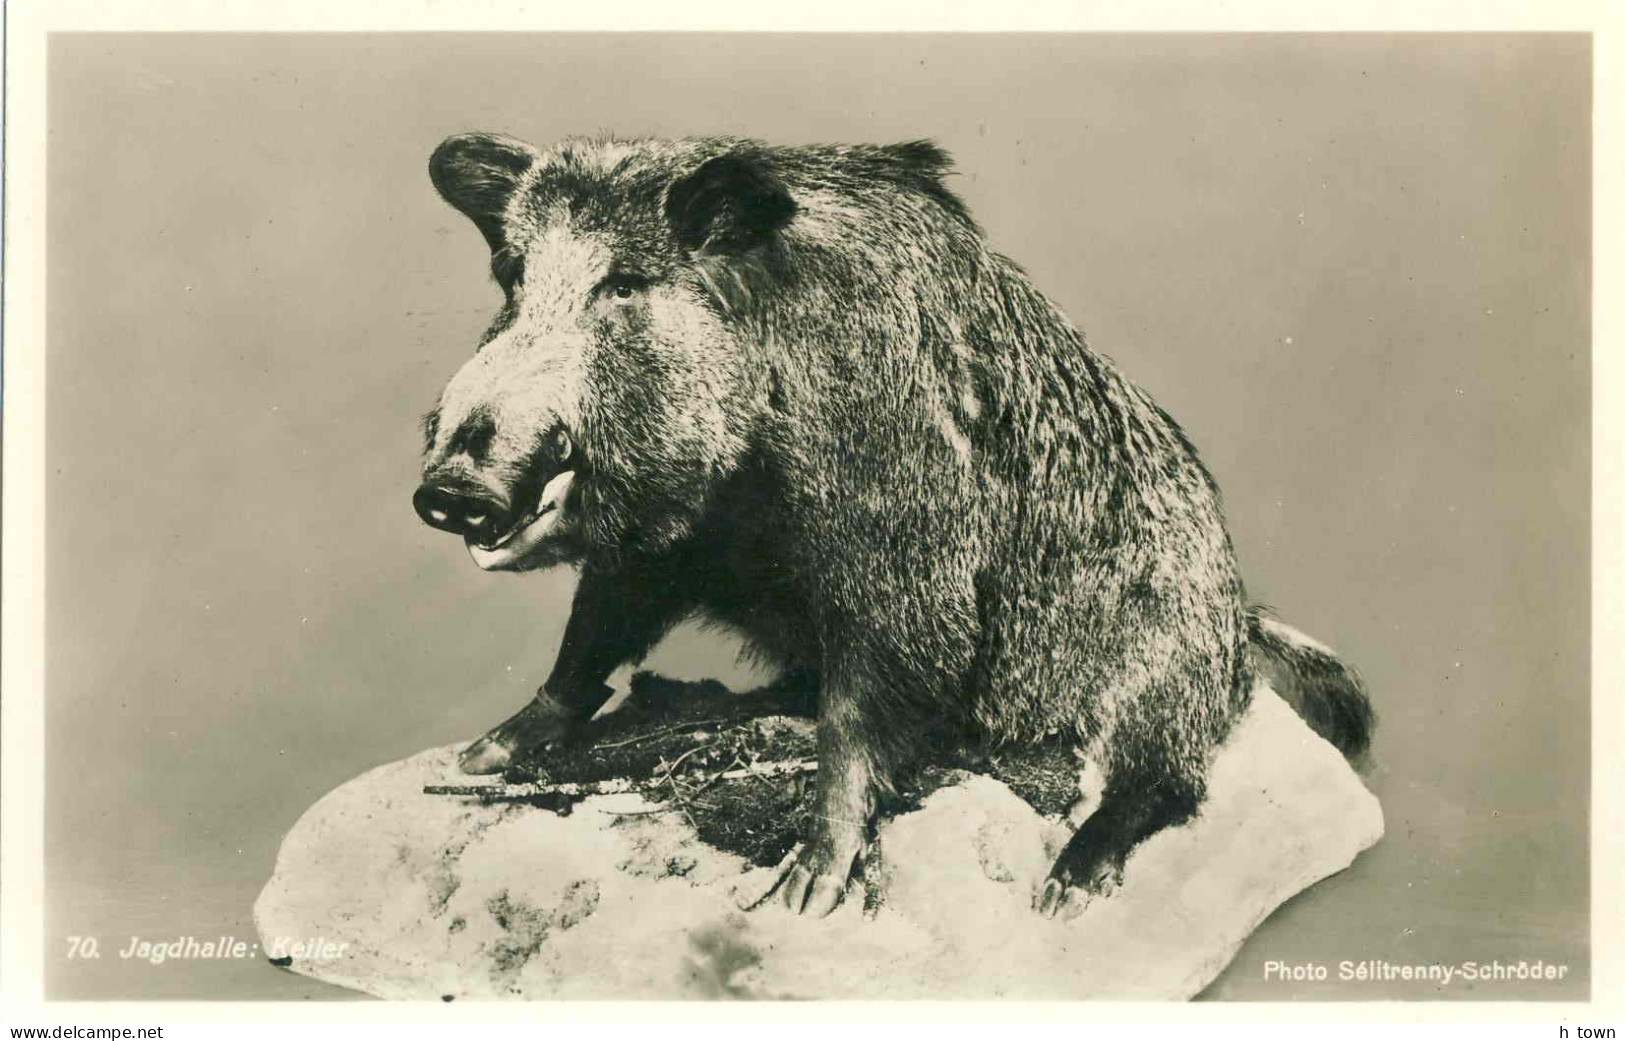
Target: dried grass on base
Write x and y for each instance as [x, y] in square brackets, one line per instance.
[739, 767]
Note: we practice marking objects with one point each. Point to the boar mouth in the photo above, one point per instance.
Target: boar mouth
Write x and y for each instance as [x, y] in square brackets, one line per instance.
[509, 550]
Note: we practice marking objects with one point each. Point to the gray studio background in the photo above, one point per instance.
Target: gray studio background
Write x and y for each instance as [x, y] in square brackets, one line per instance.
[1355, 268]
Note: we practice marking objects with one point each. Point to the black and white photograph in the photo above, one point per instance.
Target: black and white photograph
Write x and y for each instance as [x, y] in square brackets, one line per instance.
[1034, 516]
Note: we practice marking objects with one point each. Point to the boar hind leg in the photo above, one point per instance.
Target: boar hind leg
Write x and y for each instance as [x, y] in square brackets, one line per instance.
[1133, 807]
[615, 618]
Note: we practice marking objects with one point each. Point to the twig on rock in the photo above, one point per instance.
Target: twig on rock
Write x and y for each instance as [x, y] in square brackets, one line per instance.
[661, 732]
[614, 786]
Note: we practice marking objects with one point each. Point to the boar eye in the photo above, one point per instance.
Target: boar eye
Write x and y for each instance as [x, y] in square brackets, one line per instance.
[621, 288]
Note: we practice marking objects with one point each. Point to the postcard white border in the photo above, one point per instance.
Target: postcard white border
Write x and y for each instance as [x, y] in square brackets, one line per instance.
[22, 666]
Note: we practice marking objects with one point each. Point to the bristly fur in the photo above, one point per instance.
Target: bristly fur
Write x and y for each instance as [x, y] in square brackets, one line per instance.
[812, 404]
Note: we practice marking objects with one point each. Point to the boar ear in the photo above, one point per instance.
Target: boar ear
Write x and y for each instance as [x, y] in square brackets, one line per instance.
[477, 173]
[729, 205]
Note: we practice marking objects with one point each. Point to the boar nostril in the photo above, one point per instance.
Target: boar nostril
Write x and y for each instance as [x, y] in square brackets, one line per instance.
[457, 509]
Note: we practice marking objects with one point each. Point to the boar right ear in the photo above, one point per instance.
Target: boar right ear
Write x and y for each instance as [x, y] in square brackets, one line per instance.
[477, 173]
[730, 204]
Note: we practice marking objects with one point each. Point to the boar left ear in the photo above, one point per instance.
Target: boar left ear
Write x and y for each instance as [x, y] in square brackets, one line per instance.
[730, 204]
[478, 173]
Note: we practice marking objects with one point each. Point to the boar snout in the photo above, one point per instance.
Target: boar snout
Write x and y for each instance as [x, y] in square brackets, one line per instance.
[523, 522]
[455, 504]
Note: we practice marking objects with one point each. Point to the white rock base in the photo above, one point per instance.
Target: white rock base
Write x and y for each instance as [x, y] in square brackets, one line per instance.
[432, 896]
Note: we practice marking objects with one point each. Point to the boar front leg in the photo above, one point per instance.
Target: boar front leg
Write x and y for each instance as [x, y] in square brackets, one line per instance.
[816, 882]
[616, 617]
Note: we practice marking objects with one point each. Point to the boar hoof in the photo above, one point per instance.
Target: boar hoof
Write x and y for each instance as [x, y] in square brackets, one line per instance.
[540, 723]
[485, 756]
[1060, 898]
[815, 881]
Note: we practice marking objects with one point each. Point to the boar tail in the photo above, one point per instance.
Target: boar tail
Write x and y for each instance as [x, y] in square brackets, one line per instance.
[1322, 688]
